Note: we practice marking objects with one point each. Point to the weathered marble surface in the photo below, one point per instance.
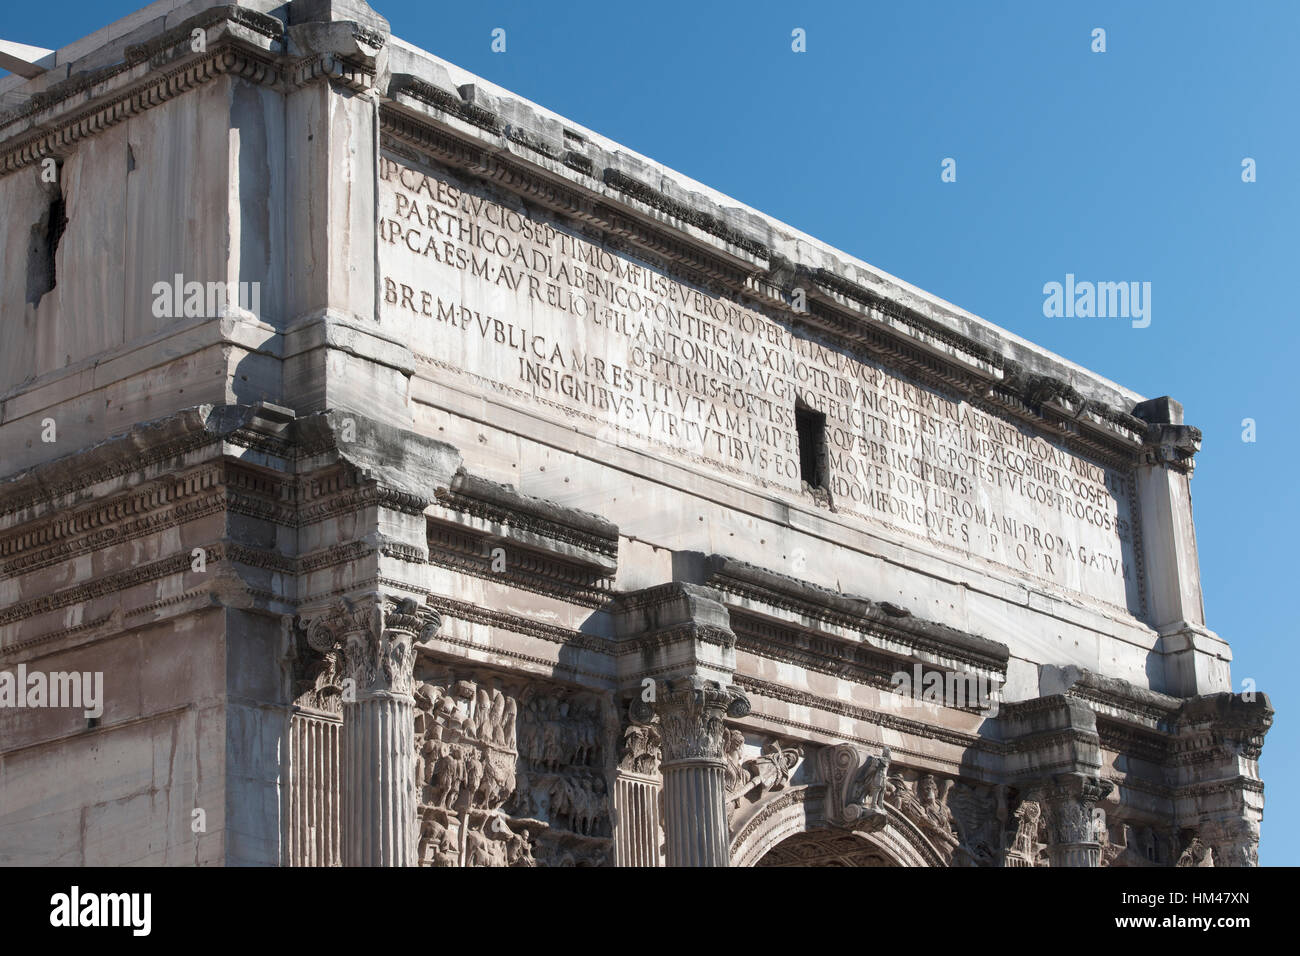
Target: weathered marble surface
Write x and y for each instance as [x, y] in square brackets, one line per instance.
[506, 371]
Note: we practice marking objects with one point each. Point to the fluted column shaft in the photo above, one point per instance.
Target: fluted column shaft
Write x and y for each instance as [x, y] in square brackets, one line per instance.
[378, 782]
[695, 815]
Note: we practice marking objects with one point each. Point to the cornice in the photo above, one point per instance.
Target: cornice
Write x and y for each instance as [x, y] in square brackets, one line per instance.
[474, 614]
[774, 592]
[893, 722]
[56, 136]
[505, 505]
[459, 550]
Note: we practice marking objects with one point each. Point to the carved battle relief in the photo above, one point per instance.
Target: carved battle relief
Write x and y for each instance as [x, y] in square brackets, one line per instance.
[510, 774]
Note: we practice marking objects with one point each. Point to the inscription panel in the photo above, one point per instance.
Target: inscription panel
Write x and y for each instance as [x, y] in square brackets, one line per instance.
[564, 325]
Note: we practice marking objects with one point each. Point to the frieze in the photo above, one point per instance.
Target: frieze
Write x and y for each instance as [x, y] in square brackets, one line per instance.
[105, 623]
[813, 732]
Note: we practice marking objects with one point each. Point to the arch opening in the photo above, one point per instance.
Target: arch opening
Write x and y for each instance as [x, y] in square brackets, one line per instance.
[824, 848]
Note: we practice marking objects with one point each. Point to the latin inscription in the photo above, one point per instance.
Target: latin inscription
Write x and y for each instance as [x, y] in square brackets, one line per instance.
[517, 299]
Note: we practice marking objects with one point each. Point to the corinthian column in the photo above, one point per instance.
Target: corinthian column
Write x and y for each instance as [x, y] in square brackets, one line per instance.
[376, 637]
[1071, 829]
[692, 714]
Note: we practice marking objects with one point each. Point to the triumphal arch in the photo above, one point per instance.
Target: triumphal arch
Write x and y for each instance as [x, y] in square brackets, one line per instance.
[434, 482]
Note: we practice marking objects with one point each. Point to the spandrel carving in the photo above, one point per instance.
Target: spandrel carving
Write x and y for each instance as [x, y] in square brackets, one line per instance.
[751, 779]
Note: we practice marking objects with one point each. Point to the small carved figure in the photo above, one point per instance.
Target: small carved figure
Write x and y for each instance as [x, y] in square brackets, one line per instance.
[435, 844]
[733, 775]
[471, 779]
[447, 774]
[508, 724]
[1025, 844]
[519, 851]
[1196, 854]
[874, 781]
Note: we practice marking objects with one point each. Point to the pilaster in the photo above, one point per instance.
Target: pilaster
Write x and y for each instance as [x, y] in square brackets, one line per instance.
[1196, 659]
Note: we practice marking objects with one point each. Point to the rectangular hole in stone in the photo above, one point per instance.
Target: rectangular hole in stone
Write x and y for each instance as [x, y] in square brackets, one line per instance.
[811, 427]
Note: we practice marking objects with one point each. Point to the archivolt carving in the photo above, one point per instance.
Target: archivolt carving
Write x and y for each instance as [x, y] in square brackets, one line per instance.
[802, 809]
[916, 818]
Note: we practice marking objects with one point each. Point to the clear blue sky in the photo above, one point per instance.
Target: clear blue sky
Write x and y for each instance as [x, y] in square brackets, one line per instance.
[1123, 165]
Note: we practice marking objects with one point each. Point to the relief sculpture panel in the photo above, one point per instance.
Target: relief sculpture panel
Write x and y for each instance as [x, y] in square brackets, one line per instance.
[511, 773]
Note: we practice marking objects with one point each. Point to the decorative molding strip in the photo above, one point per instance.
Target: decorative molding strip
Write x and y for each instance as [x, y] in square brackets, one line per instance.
[901, 724]
[101, 587]
[881, 620]
[474, 614]
[648, 195]
[458, 550]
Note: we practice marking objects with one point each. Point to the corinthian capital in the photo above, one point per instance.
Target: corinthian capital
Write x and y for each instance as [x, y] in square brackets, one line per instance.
[376, 635]
[1070, 805]
[692, 717]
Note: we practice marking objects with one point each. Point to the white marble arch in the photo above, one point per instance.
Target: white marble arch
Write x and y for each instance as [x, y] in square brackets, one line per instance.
[800, 810]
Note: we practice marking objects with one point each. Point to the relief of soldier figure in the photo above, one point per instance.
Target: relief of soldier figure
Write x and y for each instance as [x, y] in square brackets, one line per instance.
[510, 775]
